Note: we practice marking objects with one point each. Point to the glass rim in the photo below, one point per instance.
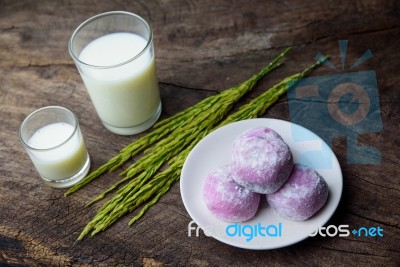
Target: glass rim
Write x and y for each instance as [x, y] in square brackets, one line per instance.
[25, 121]
[99, 16]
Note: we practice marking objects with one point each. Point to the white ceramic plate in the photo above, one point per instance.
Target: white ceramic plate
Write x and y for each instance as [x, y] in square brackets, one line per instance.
[215, 150]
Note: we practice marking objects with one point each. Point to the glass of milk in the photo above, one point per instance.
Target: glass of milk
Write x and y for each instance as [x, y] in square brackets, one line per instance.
[53, 140]
[114, 54]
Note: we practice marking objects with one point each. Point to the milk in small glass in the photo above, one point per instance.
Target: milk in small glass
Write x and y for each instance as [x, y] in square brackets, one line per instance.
[53, 140]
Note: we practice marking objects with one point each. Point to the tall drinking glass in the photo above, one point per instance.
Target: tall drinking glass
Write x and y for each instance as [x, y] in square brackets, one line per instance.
[114, 54]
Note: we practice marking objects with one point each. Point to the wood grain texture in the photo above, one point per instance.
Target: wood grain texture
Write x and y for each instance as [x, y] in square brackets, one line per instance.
[202, 47]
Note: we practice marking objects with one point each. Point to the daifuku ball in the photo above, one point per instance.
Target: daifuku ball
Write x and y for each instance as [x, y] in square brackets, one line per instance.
[262, 161]
[304, 193]
[228, 200]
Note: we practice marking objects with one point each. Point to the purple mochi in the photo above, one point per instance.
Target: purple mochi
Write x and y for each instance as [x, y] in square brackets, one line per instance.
[226, 199]
[262, 161]
[304, 193]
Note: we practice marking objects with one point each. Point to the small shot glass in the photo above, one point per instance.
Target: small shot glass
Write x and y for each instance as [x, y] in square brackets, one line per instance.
[53, 140]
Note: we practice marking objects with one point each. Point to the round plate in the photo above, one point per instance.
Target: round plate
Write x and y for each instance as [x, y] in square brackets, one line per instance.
[267, 230]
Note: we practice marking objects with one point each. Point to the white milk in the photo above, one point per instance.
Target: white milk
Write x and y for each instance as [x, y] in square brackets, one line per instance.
[127, 95]
[61, 162]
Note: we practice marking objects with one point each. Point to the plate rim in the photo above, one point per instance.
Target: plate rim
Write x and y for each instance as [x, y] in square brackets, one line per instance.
[271, 120]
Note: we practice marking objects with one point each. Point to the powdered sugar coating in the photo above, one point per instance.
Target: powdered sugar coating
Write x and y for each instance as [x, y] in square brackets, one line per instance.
[262, 161]
[304, 193]
[226, 199]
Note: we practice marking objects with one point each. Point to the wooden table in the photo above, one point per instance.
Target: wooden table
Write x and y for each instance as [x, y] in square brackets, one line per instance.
[202, 48]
